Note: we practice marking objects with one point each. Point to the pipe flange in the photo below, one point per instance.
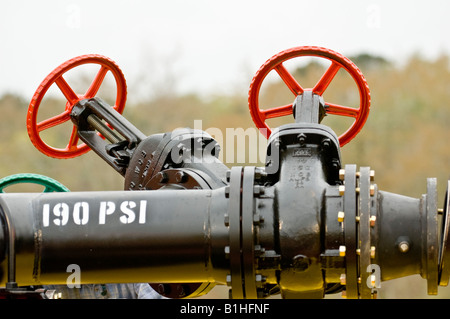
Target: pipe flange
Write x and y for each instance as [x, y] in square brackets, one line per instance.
[351, 233]
[365, 290]
[431, 239]
[243, 249]
[444, 254]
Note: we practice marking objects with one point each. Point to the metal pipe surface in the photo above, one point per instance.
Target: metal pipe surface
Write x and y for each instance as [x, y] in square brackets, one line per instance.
[137, 236]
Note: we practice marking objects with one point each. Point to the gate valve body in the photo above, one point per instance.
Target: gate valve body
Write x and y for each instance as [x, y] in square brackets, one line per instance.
[302, 226]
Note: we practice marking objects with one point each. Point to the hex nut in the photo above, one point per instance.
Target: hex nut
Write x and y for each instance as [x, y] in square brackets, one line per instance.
[342, 174]
[403, 246]
[372, 252]
[343, 279]
[373, 220]
[340, 217]
[372, 190]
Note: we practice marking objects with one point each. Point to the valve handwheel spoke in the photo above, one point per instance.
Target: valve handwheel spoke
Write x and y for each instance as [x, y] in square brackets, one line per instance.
[277, 111]
[290, 81]
[70, 95]
[53, 121]
[98, 80]
[73, 141]
[338, 62]
[336, 109]
[34, 128]
[326, 78]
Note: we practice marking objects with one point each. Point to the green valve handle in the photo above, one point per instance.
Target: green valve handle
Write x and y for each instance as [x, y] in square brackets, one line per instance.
[50, 184]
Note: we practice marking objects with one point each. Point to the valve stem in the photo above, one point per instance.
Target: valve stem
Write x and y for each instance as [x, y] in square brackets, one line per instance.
[101, 127]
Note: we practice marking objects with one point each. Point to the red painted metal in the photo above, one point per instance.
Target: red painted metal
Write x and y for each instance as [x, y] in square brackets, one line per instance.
[73, 148]
[338, 61]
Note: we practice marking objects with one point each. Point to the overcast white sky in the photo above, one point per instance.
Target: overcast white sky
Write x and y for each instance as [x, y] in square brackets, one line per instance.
[208, 44]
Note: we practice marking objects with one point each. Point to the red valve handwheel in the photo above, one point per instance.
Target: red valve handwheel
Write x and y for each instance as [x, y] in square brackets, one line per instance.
[338, 61]
[72, 149]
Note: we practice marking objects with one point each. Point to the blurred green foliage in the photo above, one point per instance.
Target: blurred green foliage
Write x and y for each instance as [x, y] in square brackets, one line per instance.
[405, 140]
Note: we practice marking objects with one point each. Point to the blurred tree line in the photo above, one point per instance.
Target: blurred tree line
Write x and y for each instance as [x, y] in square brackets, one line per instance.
[405, 139]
